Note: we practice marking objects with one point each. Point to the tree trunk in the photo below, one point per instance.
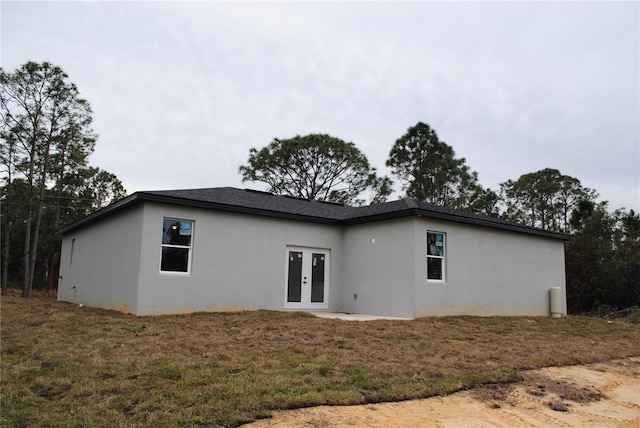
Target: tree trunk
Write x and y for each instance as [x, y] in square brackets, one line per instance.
[26, 284]
[54, 269]
[34, 246]
[6, 237]
[26, 281]
[4, 226]
[5, 265]
[36, 229]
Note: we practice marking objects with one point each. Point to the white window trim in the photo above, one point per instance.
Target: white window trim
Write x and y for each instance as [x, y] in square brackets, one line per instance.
[443, 258]
[188, 247]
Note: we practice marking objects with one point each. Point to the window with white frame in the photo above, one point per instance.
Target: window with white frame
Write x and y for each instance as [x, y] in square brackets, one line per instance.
[177, 239]
[436, 253]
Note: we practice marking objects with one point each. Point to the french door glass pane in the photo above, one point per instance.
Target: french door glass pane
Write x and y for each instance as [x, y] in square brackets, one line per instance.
[317, 278]
[294, 286]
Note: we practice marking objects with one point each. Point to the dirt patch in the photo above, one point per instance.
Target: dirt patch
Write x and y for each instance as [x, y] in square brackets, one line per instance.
[594, 395]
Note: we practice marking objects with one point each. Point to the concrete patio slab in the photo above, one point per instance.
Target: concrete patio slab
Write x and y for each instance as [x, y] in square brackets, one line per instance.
[355, 317]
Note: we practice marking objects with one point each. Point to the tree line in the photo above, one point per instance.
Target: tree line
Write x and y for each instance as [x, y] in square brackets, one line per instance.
[46, 182]
[602, 258]
[46, 179]
[322, 167]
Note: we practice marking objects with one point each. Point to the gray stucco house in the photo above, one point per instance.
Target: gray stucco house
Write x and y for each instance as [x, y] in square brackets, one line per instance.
[221, 249]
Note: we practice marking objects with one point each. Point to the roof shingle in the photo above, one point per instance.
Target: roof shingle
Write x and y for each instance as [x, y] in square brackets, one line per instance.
[266, 204]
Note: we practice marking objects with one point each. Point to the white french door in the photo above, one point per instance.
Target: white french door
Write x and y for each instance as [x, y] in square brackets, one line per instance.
[307, 278]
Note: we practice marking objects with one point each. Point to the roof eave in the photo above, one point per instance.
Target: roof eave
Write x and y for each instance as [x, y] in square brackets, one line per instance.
[139, 197]
[193, 203]
[483, 222]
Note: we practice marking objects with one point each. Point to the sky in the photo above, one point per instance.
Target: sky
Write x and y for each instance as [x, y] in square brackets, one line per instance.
[181, 91]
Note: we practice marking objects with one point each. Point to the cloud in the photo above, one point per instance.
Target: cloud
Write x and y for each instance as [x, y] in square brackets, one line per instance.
[181, 91]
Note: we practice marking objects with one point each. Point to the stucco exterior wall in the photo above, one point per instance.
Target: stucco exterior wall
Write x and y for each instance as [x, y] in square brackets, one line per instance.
[488, 272]
[102, 263]
[238, 261]
[379, 269]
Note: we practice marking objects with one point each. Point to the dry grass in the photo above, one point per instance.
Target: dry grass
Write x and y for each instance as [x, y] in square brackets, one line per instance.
[68, 366]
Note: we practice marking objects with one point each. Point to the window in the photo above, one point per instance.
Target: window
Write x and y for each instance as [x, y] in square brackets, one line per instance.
[436, 248]
[73, 244]
[176, 245]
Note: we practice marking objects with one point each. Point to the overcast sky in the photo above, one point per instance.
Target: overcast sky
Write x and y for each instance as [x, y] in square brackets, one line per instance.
[182, 91]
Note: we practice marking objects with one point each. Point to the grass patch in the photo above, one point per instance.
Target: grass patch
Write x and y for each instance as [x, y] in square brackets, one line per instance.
[62, 365]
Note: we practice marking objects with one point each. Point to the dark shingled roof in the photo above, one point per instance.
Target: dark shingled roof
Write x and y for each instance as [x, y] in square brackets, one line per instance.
[268, 205]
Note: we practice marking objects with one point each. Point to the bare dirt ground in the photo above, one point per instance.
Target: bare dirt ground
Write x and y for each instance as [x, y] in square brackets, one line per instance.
[595, 395]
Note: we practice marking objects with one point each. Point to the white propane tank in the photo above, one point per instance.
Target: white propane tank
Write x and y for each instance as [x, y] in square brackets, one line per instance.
[555, 300]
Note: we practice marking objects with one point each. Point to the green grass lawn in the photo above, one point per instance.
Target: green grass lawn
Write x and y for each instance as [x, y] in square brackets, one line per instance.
[67, 366]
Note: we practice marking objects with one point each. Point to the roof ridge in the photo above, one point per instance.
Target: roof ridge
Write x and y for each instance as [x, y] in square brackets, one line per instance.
[261, 192]
[411, 202]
